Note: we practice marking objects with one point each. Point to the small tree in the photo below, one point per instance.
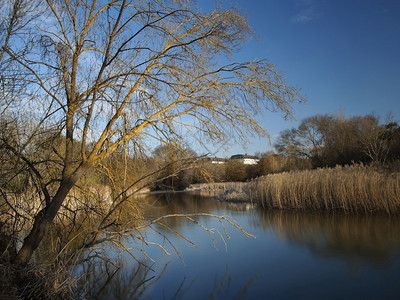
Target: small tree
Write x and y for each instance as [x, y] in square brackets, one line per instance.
[271, 163]
[393, 135]
[308, 140]
[235, 171]
[379, 141]
[173, 162]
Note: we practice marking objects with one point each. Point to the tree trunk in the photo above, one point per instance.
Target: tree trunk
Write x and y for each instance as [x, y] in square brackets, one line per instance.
[32, 241]
[70, 176]
[43, 221]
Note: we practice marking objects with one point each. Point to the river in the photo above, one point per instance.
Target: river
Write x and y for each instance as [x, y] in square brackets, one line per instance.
[293, 255]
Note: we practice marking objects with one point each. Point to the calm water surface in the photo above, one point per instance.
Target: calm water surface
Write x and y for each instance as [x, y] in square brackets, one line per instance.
[293, 256]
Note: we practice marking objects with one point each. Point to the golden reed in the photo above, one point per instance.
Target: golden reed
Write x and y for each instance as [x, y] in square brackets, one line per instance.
[355, 189]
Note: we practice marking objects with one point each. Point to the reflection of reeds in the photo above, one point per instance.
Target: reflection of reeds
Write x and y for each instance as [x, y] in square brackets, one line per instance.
[369, 238]
[357, 189]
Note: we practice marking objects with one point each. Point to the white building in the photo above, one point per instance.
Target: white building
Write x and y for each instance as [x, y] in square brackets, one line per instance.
[217, 160]
[246, 159]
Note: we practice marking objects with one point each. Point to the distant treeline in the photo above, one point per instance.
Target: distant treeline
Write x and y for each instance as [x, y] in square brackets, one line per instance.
[325, 140]
[319, 141]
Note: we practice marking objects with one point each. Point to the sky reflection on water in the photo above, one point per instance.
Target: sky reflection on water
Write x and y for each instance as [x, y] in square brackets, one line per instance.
[294, 256]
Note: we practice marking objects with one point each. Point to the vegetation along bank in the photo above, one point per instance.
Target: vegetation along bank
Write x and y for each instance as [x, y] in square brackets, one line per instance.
[351, 189]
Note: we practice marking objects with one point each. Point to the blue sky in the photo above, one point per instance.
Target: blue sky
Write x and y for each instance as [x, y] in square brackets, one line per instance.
[344, 55]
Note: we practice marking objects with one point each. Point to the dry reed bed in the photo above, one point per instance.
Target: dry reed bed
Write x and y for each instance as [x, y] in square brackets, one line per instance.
[357, 188]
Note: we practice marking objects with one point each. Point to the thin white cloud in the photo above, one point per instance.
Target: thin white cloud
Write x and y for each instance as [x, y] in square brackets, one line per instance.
[309, 10]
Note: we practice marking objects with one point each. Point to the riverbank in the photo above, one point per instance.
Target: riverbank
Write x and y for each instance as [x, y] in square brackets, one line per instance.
[223, 191]
[34, 281]
[353, 189]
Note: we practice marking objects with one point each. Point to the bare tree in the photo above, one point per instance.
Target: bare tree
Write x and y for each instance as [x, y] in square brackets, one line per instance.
[308, 140]
[376, 139]
[104, 75]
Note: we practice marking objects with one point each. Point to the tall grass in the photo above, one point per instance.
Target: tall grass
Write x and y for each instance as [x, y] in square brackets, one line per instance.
[356, 189]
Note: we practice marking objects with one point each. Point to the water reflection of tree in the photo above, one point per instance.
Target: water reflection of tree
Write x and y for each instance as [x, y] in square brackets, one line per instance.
[356, 239]
[198, 207]
[104, 279]
[178, 203]
[222, 287]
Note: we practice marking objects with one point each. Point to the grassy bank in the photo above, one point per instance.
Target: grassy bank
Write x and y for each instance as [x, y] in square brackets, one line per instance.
[356, 189]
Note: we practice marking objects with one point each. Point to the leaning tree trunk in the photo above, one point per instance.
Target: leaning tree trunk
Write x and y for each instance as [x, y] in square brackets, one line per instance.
[43, 221]
[70, 176]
